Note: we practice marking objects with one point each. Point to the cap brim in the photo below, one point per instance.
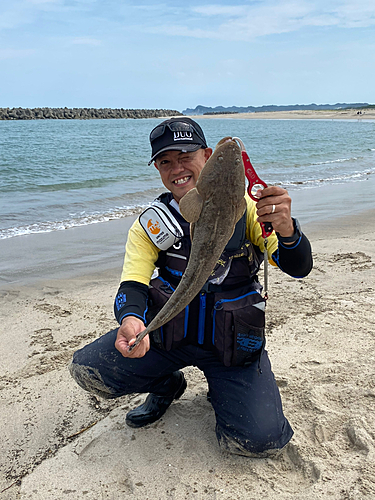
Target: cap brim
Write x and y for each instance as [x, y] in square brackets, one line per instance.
[177, 147]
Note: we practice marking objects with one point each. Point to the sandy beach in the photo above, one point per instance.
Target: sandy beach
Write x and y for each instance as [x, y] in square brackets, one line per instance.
[59, 442]
[343, 114]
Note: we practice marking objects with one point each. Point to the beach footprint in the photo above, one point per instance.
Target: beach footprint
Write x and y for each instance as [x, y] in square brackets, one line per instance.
[359, 438]
[53, 310]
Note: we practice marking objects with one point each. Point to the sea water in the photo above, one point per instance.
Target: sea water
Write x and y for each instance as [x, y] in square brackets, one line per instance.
[58, 174]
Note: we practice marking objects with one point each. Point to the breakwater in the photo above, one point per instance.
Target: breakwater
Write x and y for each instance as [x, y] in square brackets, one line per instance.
[82, 113]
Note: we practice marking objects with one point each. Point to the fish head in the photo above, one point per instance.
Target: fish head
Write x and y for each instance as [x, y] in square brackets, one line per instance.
[223, 172]
[221, 184]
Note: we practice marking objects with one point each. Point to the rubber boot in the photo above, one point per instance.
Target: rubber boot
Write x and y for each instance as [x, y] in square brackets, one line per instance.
[155, 406]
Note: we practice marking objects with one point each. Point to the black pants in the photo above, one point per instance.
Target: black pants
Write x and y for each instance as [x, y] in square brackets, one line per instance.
[246, 400]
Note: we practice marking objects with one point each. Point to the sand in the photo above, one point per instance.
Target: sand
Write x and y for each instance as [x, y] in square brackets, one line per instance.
[321, 114]
[59, 442]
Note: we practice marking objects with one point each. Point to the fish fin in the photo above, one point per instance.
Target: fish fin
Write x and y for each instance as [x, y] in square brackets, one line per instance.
[225, 139]
[241, 209]
[192, 225]
[191, 205]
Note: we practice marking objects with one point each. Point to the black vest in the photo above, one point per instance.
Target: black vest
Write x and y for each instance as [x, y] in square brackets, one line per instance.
[208, 321]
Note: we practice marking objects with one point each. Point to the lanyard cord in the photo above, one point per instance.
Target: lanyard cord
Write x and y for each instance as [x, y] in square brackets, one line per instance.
[265, 266]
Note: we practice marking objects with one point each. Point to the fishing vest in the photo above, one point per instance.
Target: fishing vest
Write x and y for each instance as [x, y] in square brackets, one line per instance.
[228, 315]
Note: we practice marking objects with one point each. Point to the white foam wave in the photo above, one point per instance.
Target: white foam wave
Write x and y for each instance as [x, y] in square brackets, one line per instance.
[83, 220]
[355, 176]
[339, 160]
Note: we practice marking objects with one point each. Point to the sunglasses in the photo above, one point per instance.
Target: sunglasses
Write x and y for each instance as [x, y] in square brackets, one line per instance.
[176, 127]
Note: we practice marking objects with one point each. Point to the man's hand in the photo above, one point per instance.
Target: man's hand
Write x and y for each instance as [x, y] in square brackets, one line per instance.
[126, 335]
[274, 206]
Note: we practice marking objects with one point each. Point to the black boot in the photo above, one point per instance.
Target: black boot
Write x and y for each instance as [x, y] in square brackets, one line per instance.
[155, 406]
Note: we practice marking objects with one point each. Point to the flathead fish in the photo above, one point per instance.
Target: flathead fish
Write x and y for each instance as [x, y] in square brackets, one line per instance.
[213, 208]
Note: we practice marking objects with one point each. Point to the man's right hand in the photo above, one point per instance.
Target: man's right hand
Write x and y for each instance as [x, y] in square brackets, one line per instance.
[126, 335]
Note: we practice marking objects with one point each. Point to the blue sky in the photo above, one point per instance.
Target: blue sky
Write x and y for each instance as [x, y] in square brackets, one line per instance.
[93, 53]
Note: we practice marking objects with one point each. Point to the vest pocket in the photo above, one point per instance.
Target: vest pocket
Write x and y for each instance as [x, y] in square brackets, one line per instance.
[172, 333]
[238, 328]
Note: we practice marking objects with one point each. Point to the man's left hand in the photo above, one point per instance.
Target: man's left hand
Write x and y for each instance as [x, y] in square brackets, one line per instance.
[274, 206]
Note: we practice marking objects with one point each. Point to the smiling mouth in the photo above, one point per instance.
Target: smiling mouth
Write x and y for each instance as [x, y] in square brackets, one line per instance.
[182, 180]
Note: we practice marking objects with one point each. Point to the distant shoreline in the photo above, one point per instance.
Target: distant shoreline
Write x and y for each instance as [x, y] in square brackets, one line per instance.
[321, 114]
[120, 113]
[83, 113]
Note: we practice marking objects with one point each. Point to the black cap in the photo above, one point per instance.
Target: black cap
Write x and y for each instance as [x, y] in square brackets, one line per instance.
[181, 134]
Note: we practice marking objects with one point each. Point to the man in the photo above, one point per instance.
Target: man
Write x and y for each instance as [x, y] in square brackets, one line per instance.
[221, 331]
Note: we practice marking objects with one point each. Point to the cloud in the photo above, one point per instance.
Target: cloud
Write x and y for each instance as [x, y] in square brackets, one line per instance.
[27, 12]
[356, 15]
[243, 21]
[15, 53]
[181, 30]
[43, 2]
[221, 10]
[86, 41]
[247, 22]
[14, 16]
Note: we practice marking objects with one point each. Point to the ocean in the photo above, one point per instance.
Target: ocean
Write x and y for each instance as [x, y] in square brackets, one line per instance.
[58, 174]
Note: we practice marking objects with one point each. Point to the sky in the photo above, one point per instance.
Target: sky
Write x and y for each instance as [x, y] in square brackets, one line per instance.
[175, 54]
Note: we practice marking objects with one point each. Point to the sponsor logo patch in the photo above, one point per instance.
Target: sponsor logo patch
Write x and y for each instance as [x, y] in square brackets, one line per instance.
[182, 136]
[153, 227]
[120, 300]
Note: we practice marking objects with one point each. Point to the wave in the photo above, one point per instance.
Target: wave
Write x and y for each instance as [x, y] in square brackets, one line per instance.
[335, 179]
[82, 220]
[339, 160]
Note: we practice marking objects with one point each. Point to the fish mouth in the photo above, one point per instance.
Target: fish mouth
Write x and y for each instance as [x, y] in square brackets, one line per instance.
[181, 180]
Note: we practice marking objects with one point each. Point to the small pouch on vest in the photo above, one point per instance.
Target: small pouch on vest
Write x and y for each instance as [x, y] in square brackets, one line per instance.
[238, 328]
[172, 333]
[160, 225]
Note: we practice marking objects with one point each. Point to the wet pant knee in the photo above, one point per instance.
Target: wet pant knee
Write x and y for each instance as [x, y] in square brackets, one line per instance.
[251, 446]
[90, 380]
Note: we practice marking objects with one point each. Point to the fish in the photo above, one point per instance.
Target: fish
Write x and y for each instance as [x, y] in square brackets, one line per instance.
[213, 208]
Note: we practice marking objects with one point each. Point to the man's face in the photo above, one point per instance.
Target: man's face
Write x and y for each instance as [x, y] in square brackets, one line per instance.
[179, 171]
